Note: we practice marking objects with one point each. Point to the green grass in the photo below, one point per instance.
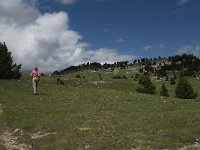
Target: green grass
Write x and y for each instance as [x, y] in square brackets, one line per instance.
[116, 116]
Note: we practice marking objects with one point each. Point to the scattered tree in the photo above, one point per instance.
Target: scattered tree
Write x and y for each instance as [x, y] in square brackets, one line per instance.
[8, 70]
[184, 89]
[145, 85]
[164, 91]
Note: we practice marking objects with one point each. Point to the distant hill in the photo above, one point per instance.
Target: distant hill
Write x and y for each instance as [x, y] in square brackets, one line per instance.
[185, 64]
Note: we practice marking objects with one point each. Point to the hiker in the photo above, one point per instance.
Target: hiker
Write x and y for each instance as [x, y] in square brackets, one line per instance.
[35, 79]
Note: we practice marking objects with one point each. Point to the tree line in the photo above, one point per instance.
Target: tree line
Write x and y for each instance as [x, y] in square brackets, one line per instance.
[187, 64]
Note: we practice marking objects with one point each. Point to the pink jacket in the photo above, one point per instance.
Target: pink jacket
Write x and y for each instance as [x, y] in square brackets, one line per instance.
[35, 74]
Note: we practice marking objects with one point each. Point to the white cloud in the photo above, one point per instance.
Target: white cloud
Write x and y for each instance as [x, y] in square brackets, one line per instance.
[156, 47]
[68, 1]
[103, 55]
[17, 12]
[148, 47]
[120, 40]
[74, 1]
[190, 49]
[181, 2]
[46, 40]
[161, 46]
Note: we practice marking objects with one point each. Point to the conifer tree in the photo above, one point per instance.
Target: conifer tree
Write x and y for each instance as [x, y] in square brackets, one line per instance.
[145, 85]
[184, 89]
[164, 91]
[8, 70]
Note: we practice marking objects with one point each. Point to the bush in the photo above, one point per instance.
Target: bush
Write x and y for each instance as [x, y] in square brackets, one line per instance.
[137, 75]
[43, 75]
[60, 81]
[164, 91]
[172, 81]
[124, 77]
[184, 89]
[145, 85]
[78, 76]
[116, 77]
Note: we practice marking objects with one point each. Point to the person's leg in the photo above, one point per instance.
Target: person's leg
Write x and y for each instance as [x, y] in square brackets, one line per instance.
[34, 86]
[36, 82]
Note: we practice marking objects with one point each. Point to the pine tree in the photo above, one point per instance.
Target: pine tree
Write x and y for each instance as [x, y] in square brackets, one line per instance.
[184, 89]
[8, 70]
[145, 85]
[164, 91]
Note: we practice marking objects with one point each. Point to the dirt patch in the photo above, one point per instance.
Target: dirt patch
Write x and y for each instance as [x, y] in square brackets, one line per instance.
[98, 82]
[40, 135]
[191, 147]
[10, 142]
[84, 129]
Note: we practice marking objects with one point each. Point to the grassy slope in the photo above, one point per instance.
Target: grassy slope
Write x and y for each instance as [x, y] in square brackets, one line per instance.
[116, 116]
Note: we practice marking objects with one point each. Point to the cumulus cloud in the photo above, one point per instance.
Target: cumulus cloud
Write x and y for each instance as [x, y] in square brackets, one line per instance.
[17, 12]
[104, 55]
[190, 49]
[46, 40]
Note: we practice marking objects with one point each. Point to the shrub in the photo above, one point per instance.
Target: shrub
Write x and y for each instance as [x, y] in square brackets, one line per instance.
[78, 76]
[137, 75]
[172, 81]
[164, 91]
[145, 85]
[43, 75]
[124, 77]
[184, 89]
[60, 81]
[116, 77]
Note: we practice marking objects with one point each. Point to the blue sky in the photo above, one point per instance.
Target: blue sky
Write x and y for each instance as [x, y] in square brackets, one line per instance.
[56, 34]
[145, 28]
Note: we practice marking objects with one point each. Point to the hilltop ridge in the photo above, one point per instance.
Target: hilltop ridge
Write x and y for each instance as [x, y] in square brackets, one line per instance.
[185, 64]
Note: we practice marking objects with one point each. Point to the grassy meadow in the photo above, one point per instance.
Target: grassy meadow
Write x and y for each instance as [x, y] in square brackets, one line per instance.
[94, 114]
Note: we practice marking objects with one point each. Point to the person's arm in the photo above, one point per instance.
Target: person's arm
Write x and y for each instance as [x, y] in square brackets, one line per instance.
[39, 75]
[31, 73]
